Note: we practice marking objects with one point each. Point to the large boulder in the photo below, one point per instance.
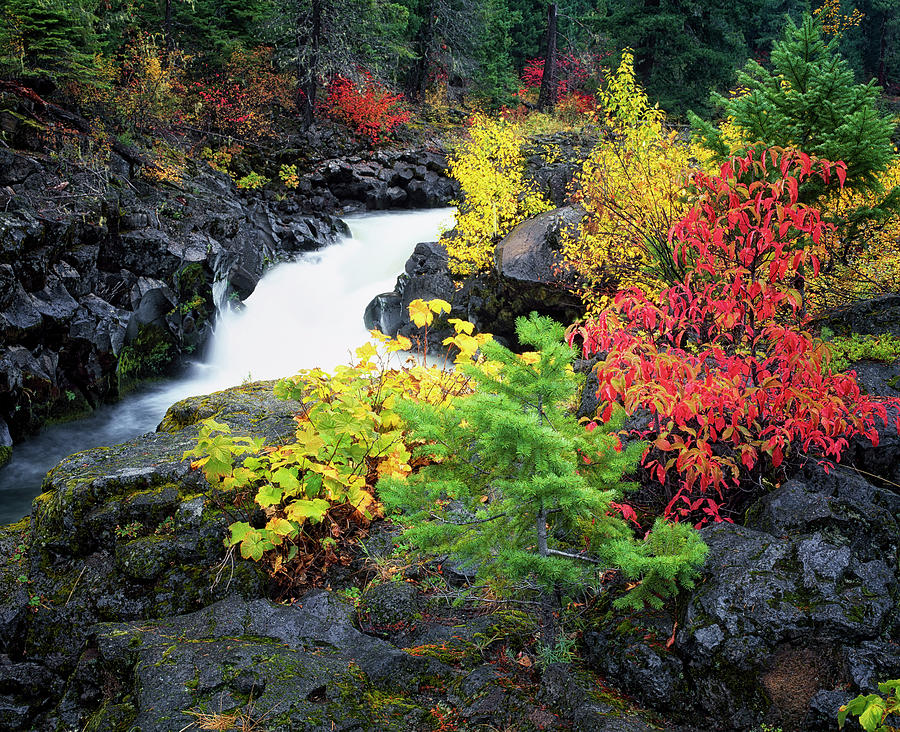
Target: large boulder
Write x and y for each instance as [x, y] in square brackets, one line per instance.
[796, 606]
[531, 252]
[299, 667]
[131, 531]
[529, 275]
[796, 613]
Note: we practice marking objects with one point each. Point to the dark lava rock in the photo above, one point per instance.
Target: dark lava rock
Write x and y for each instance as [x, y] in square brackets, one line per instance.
[391, 603]
[531, 251]
[562, 690]
[305, 667]
[869, 317]
[129, 532]
[795, 603]
[78, 291]
[527, 278]
[633, 652]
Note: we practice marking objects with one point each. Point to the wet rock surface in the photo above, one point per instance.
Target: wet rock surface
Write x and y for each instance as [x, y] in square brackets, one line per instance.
[796, 614]
[527, 277]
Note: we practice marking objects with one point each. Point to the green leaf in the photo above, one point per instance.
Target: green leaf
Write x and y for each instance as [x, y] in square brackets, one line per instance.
[287, 479]
[872, 716]
[313, 509]
[251, 550]
[238, 532]
[281, 527]
[891, 685]
[269, 495]
[312, 484]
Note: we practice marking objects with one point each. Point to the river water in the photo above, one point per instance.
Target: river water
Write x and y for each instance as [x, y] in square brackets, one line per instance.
[302, 314]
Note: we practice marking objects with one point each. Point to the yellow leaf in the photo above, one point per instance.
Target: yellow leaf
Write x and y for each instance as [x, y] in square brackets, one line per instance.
[462, 326]
[366, 352]
[439, 306]
[420, 314]
[530, 357]
[400, 343]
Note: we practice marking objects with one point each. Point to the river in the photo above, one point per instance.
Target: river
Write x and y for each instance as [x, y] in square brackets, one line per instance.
[302, 314]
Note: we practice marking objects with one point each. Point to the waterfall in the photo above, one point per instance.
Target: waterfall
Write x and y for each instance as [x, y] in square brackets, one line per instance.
[302, 314]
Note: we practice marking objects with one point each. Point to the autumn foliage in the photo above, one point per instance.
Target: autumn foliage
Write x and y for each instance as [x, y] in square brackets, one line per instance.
[490, 168]
[632, 190]
[367, 106]
[733, 387]
[242, 100]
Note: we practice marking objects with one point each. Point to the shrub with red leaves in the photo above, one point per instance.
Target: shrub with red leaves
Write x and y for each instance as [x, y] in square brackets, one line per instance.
[367, 107]
[732, 384]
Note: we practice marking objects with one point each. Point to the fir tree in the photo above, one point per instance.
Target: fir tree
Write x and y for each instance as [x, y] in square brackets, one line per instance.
[517, 487]
[682, 48]
[46, 38]
[809, 100]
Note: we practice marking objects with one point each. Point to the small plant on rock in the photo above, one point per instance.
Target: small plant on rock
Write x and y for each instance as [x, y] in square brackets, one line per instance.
[317, 491]
[515, 486]
[872, 710]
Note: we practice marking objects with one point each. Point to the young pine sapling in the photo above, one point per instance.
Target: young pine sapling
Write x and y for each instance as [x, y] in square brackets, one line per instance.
[518, 488]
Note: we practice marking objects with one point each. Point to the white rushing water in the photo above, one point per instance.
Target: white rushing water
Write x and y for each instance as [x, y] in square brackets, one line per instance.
[302, 314]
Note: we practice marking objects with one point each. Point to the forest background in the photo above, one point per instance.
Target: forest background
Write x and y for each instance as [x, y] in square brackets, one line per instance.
[478, 50]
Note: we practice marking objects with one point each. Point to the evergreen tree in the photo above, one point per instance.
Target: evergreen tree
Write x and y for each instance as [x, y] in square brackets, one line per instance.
[516, 484]
[809, 100]
[445, 35]
[682, 48]
[53, 39]
[495, 79]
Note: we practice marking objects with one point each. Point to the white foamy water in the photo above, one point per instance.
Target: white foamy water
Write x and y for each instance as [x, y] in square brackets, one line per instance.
[302, 314]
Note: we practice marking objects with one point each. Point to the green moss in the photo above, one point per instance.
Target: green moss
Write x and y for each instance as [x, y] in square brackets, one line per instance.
[147, 356]
[454, 652]
[19, 528]
[5, 454]
[112, 718]
[845, 351]
[378, 709]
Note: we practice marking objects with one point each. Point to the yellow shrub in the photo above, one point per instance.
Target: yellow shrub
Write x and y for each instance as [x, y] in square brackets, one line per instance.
[490, 168]
[862, 263]
[632, 189]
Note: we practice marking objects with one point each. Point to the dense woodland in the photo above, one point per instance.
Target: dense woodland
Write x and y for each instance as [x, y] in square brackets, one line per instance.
[472, 49]
[733, 187]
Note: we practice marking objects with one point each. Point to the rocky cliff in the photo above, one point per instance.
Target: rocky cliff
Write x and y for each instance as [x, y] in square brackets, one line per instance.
[108, 277]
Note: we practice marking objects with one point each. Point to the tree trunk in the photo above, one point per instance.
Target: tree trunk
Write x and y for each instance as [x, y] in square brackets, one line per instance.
[549, 601]
[547, 95]
[167, 31]
[308, 46]
[418, 74]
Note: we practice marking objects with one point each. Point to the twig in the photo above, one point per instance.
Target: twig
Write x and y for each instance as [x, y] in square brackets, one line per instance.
[466, 523]
[77, 579]
[568, 555]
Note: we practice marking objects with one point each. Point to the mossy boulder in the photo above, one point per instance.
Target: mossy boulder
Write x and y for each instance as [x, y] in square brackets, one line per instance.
[793, 603]
[131, 531]
[300, 667]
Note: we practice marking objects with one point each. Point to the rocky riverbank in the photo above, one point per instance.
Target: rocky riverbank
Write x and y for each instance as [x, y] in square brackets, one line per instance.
[106, 282]
[122, 610]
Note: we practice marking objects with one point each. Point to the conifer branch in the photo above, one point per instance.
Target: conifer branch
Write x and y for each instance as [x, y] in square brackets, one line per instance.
[569, 555]
[441, 520]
